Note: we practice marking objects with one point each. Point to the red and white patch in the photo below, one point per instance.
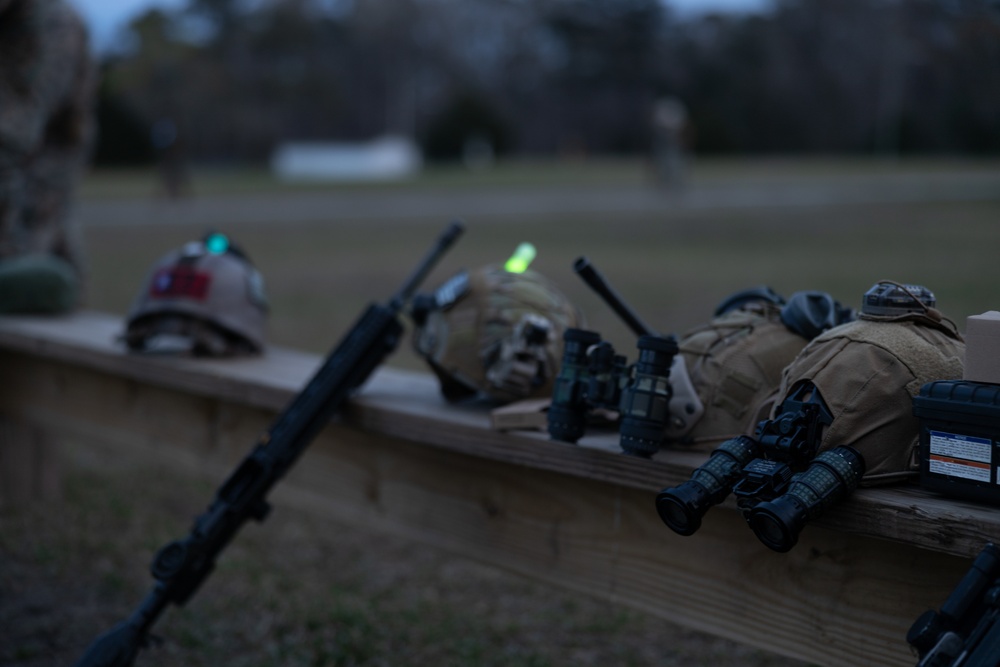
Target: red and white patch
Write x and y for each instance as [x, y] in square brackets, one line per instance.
[180, 282]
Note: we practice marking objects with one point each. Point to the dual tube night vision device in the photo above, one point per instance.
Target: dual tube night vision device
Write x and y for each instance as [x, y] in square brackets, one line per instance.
[593, 376]
[777, 477]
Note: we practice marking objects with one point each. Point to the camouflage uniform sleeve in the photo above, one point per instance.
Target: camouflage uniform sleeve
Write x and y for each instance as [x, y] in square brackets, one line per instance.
[46, 96]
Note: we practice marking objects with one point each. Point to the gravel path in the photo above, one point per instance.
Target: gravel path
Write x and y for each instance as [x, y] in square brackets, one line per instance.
[505, 203]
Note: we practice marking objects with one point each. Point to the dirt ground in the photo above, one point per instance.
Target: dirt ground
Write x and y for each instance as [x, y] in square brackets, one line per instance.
[298, 590]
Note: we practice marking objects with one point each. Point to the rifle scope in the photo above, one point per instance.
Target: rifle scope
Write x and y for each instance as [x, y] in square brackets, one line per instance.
[831, 476]
[682, 507]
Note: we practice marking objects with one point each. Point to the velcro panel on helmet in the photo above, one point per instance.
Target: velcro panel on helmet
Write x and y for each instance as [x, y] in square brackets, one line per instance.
[867, 373]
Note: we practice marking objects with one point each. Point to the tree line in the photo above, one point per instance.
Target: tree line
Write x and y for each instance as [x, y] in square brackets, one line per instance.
[557, 77]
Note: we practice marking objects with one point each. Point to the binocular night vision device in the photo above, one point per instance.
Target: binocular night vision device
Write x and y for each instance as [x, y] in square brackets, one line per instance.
[592, 376]
[778, 480]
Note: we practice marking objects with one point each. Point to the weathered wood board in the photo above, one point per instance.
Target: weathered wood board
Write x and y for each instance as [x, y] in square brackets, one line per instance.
[582, 517]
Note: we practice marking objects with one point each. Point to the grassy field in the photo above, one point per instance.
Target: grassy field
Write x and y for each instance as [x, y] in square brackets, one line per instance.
[673, 267]
[111, 184]
[297, 591]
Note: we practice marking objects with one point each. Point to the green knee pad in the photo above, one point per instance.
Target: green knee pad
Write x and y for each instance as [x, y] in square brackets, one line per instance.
[40, 283]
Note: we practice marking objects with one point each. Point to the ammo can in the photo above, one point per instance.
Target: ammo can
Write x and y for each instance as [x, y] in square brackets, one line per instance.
[959, 439]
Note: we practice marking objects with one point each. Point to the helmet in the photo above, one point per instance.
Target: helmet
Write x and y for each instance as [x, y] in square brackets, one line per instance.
[205, 298]
[729, 369]
[867, 372]
[494, 332]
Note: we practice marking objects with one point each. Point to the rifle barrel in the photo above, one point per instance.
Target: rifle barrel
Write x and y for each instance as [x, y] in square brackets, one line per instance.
[181, 566]
[447, 238]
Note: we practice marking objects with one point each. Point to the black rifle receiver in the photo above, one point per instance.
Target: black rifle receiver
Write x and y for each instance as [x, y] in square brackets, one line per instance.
[181, 566]
[965, 632]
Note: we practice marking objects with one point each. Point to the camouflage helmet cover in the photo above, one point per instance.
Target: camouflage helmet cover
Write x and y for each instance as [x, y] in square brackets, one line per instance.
[495, 332]
[207, 293]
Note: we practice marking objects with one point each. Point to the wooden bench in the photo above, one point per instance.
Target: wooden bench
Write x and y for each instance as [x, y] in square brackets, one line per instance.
[580, 516]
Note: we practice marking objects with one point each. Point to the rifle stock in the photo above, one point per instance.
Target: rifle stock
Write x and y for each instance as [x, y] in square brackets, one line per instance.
[181, 566]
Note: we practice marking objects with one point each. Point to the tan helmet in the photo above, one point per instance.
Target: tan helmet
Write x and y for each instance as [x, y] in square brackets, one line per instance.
[868, 371]
[205, 298]
[734, 362]
[494, 332]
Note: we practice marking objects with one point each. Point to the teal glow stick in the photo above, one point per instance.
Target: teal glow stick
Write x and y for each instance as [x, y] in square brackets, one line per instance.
[217, 243]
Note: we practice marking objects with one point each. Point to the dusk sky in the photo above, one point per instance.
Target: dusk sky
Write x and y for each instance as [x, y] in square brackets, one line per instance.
[106, 17]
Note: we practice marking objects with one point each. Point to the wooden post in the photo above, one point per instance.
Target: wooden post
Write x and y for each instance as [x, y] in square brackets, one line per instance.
[29, 463]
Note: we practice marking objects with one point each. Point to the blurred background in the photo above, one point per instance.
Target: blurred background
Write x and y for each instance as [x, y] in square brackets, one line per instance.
[689, 149]
[564, 78]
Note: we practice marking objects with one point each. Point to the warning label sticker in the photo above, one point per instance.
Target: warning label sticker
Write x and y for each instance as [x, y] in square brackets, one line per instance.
[958, 468]
[961, 446]
[962, 456]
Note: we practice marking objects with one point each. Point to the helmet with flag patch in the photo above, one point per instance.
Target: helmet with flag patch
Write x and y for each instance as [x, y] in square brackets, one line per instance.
[205, 298]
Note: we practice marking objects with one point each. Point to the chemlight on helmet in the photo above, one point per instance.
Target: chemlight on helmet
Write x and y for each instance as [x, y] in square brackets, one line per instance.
[216, 243]
[521, 259]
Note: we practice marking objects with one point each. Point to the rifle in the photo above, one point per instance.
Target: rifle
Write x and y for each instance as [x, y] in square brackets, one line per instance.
[181, 566]
[595, 279]
[966, 630]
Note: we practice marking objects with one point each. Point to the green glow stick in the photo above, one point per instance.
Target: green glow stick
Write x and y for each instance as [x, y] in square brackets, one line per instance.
[519, 261]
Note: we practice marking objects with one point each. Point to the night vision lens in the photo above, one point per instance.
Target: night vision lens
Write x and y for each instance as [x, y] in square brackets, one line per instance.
[682, 507]
[603, 381]
[567, 416]
[646, 398]
[832, 475]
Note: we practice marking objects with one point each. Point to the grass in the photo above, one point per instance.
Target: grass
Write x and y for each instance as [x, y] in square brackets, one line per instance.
[537, 173]
[297, 590]
[216, 181]
[673, 268]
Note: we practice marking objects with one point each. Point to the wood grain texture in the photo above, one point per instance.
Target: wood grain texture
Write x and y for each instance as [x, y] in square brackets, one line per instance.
[30, 468]
[405, 404]
[582, 516]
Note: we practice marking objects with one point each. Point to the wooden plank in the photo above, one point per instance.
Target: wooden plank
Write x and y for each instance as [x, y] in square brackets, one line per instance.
[580, 516]
[29, 463]
[837, 599]
[407, 405]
